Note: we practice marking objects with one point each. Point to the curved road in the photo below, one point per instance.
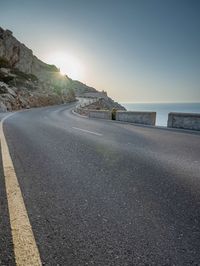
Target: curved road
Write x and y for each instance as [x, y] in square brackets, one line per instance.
[104, 193]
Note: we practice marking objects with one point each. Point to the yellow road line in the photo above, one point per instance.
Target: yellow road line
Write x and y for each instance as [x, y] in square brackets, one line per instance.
[25, 248]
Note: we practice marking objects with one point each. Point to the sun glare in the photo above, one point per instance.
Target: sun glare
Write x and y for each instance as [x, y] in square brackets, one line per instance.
[68, 65]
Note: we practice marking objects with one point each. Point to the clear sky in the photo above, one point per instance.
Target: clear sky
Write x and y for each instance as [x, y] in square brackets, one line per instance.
[136, 50]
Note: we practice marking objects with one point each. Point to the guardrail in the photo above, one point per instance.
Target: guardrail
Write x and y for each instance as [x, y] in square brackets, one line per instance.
[175, 120]
[100, 114]
[184, 120]
[145, 118]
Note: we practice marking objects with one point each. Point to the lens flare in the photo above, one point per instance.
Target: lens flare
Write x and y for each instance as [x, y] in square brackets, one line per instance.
[68, 64]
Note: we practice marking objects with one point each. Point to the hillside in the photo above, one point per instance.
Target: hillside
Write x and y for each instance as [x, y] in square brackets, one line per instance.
[26, 81]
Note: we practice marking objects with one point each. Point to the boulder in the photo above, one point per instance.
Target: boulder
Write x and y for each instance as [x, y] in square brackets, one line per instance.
[3, 89]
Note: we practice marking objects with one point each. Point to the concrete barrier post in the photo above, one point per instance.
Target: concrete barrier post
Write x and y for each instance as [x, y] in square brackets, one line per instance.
[184, 121]
[101, 114]
[145, 118]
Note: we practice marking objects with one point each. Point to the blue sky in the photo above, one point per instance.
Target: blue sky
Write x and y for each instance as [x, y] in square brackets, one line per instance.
[138, 50]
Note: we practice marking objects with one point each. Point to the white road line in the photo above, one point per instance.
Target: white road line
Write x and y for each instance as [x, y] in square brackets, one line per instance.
[25, 248]
[87, 131]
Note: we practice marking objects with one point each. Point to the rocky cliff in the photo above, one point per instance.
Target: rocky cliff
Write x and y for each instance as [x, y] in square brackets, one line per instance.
[26, 81]
[20, 57]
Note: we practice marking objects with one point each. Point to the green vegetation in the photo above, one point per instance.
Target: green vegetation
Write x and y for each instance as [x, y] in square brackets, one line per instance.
[51, 68]
[71, 93]
[57, 90]
[67, 93]
[4, 62]
[6, 79]
[23, 76]
[114, 110]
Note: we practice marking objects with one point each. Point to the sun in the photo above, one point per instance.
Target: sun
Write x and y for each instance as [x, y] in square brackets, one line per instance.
[68, 64]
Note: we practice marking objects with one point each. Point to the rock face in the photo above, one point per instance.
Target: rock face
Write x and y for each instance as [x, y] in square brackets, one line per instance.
[80, 88]
[13, 98]
[101, 102]
[26, 81]
[106, 103]
[19, 56]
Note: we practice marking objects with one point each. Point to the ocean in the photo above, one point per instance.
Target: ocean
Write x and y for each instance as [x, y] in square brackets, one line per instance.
[162, 109]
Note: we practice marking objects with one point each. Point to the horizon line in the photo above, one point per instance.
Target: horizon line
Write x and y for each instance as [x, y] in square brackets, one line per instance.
[157, 102]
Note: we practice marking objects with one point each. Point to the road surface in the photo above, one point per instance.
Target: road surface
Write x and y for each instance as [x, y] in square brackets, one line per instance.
[103, 193]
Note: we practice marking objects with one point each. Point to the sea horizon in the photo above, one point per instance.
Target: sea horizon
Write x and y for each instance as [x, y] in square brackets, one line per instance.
[122, 102]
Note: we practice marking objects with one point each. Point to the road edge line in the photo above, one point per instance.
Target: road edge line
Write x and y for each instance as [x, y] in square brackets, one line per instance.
[25, 247]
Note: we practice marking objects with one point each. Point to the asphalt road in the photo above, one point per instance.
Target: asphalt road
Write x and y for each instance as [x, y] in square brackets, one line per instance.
[104, 193]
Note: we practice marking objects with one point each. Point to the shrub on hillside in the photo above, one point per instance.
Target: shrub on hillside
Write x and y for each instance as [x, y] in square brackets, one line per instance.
[23, 76]
[4, 62]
